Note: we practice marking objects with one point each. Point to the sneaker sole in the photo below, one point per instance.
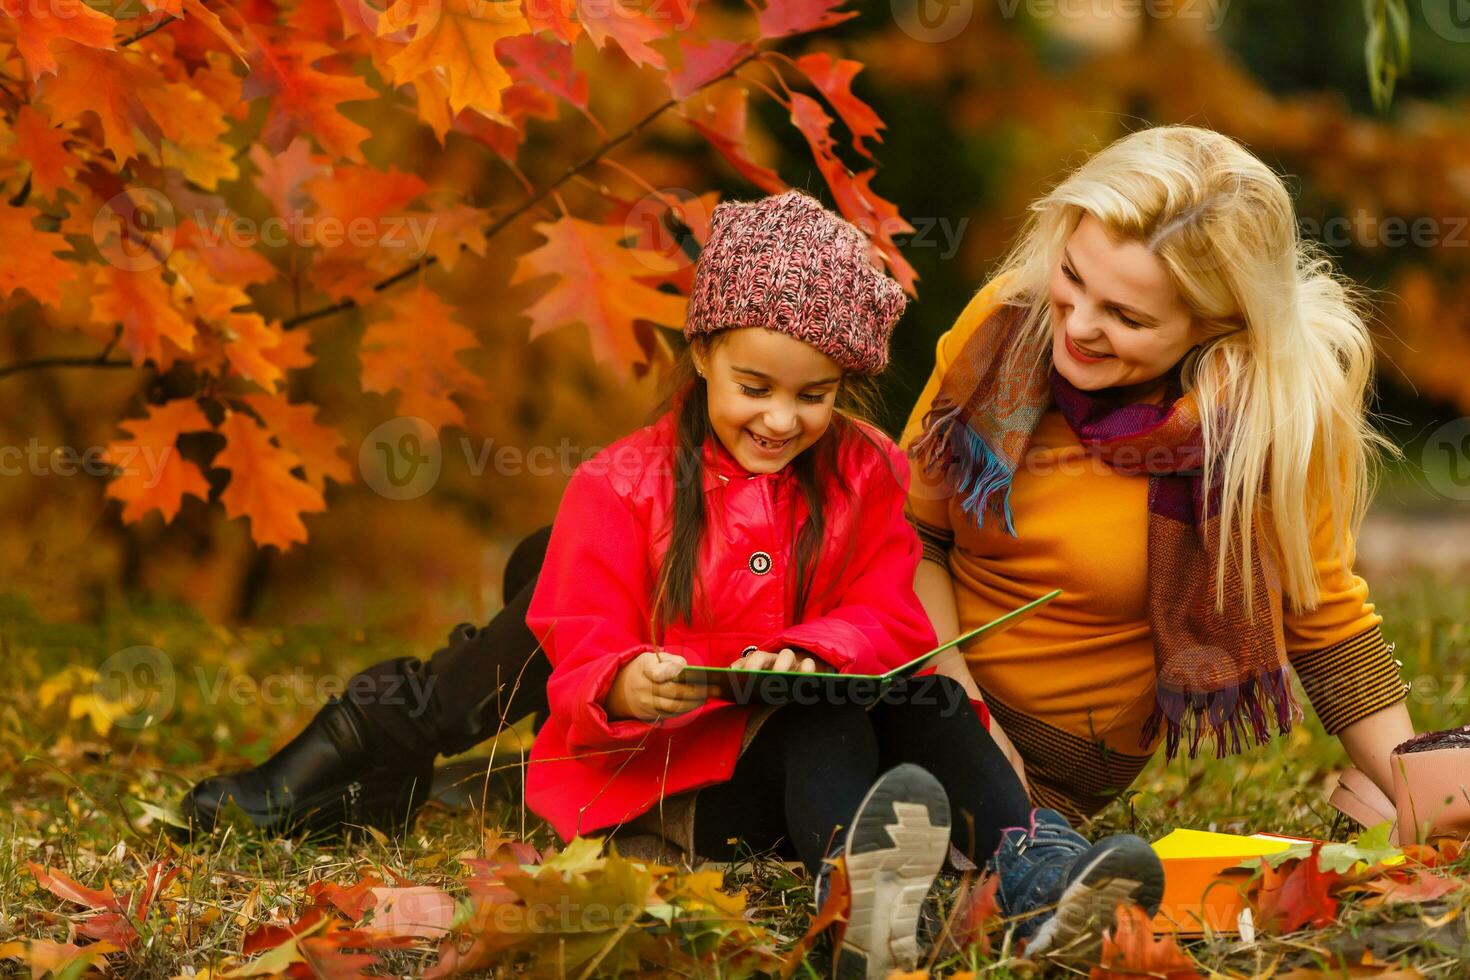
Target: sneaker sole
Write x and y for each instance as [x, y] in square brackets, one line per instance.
[897, 845]
[1125, 872]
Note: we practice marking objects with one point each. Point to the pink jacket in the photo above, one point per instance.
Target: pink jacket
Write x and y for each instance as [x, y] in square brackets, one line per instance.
[592, 610]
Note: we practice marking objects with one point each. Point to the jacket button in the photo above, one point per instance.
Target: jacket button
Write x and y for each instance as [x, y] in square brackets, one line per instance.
[760, 563]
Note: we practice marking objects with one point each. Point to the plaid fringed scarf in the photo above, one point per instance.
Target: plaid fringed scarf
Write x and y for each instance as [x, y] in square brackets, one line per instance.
[1217, 675]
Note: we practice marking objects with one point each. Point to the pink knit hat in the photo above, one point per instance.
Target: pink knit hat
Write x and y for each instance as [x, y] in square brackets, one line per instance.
[787, 263]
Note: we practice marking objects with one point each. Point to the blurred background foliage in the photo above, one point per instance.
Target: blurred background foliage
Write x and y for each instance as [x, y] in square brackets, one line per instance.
[977, 126]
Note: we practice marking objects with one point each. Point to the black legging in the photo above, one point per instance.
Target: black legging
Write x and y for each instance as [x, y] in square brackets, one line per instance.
[809, 766]
[485, 679]
[800, 779]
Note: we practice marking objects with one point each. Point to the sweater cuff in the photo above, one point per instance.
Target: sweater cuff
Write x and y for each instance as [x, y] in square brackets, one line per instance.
[934, 541]
[1351, 679]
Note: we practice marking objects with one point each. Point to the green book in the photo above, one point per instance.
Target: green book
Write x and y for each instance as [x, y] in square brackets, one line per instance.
[787, 686]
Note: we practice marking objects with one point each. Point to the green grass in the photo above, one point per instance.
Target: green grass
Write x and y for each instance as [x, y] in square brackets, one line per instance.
[87, 802]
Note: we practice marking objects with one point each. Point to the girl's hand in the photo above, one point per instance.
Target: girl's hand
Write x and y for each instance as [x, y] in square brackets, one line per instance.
[787, 659]
[646, 688]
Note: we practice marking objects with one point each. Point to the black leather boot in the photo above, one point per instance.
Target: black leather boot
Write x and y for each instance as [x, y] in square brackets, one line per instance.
[324, 779]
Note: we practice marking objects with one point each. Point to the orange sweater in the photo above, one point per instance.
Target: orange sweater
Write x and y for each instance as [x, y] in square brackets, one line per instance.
[1073, 685]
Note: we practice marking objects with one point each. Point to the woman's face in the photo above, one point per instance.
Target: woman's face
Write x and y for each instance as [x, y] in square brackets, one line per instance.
[1116, 317]
[770, 395]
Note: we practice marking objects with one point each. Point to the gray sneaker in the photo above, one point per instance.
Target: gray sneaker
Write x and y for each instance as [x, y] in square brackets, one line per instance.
[893, 850]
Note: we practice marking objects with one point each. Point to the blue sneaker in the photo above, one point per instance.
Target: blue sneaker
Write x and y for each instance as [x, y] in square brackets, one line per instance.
[894, 848]
[1063, 890]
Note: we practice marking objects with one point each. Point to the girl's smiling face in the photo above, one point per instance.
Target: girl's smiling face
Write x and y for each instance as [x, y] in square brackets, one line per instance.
[770, 395]
[1117, 319]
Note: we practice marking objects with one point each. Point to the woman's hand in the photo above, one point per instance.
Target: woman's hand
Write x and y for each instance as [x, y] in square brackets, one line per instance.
[647, 688]
[787, 659]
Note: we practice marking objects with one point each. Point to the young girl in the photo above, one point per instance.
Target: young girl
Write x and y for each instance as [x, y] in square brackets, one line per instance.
[753, 524]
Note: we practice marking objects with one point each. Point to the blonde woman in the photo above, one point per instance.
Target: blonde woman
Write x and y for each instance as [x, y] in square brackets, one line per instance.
[1157, 405]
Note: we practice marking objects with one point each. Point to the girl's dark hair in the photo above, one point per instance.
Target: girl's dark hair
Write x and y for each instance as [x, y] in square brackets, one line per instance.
[815, 468]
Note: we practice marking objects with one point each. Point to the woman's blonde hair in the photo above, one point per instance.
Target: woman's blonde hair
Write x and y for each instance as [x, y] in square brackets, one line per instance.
[1283, 376]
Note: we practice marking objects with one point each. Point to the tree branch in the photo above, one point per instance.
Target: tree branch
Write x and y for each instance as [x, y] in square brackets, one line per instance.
[530, 202]
[47, 362]
[491, 230]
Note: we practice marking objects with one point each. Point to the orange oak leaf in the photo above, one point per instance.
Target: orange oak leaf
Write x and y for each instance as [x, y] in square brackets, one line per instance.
[291, 352]
[413, 352]
[193, 127]
[262, 487]
[305, 100]
[416, 911]
[362, 194]
[247, 337]
[834, 910]
[704, 62]
[431, 97]
[1295, 895]
[630, 27]
[598, 284]
[111, 86]
[352, 900]
[228, 257]
[856, 200]
[834, 80]
[296, 428]
[44, 148]
[782, 18]
[457, 37]
[456, 229]
[1414, 885]
[282, 178]
[554, 16]
[545, 64]
[270, 935]
[62, 886]
[722, 121]
[39, 22]
[1130, 951]
[31, 260]
[140, 301]
[198, 13]
[977, 911]
[243, 336]
[150, 473]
